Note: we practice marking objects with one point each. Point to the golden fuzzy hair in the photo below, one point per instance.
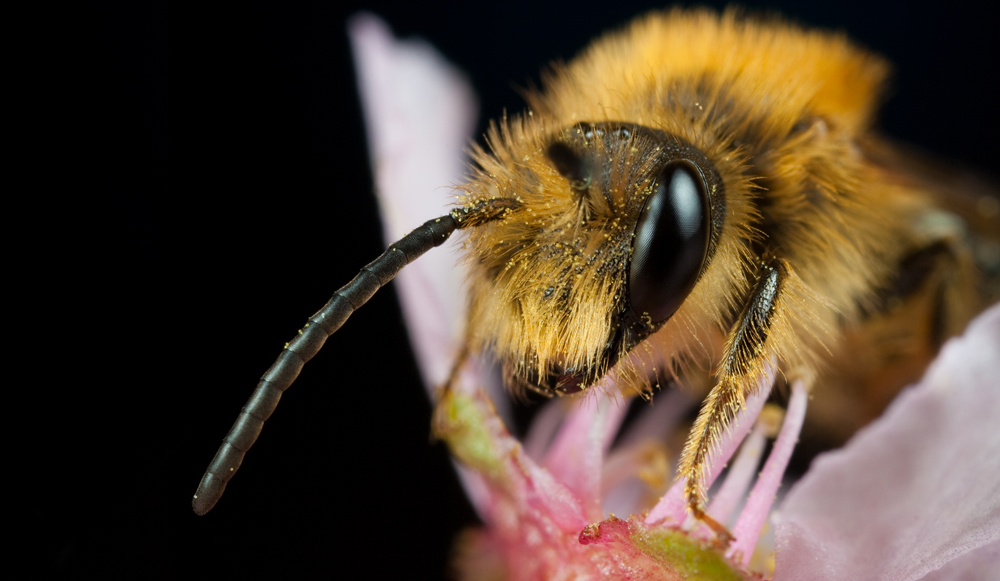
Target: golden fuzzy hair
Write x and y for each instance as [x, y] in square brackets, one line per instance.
[725, 85]
[784, 116]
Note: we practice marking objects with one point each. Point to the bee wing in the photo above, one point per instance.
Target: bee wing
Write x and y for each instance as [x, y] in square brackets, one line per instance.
[971, 196]
[957, 192]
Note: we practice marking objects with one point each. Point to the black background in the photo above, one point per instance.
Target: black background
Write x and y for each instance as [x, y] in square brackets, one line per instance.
[209, 188]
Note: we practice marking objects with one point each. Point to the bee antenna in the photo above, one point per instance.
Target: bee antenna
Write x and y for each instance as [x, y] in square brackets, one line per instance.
[319, 327]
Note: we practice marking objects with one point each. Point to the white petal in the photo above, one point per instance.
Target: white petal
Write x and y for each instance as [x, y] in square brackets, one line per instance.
[916, 489]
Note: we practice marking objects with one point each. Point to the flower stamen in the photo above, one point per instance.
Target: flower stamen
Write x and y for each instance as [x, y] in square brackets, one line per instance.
[751, 519]
[672, 508]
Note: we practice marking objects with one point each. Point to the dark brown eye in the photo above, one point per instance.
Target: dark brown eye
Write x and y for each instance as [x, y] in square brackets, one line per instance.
[670, 244]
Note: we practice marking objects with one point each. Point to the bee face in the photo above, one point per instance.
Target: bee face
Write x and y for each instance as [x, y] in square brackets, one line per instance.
[647, 223]
[619, 223]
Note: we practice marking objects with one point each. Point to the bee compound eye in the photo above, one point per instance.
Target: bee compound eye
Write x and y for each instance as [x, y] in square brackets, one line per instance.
[670, 242]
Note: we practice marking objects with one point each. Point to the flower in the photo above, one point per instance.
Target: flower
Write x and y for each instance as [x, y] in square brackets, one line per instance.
[916, 495]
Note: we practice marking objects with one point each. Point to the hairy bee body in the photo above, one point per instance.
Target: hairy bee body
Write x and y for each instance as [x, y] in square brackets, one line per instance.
[872, 272]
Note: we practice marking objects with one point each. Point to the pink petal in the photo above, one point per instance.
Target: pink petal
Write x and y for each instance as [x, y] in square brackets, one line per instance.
[659, 417]
[420, 113]
[544, 427]
[532, 519]
[916, 489]
[577, 454]
[976, 565]
[536, 529]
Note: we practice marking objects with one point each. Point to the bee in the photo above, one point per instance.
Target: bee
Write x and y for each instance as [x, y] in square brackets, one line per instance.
[694, 195]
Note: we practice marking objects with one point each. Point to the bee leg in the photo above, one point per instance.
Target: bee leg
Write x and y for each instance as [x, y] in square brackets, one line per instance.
[740, 372]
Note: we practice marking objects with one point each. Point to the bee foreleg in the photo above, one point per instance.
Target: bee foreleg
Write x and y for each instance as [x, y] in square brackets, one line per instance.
[745, 358]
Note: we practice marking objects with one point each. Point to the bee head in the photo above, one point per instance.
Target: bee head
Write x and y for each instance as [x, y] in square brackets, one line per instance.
[618, 222]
